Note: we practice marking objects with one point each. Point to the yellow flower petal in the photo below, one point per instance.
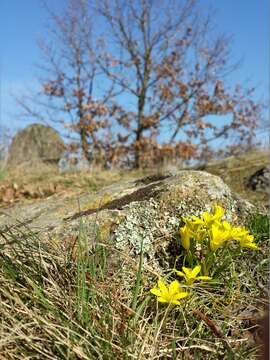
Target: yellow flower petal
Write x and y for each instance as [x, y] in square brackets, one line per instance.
[196, 271]
[250, 245]
[162, 286]
[185, 237]
[162, 300]
[226, 225]
[174, 287]
[195, 221]
[187, 271]
[175, 302]
[181, 295]
[180, 273]
[250, 238]
[214, 245]
[217, 237]
[207, 217]
[156, 292]
[218, 212]
[168, 294]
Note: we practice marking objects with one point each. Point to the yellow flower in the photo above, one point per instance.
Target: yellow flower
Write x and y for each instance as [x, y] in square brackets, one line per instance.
[190, 275]
[227, 226]
[218, 212]
[194, 222]
[169, 294]
[248, 242]
[239, 232]
[218, 236]
[210, 219]
[195, 228]
[207, 218]
[186, 236]
[245, 239]
[200, 234]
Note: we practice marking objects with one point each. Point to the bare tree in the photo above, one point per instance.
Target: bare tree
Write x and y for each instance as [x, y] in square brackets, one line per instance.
[71, 95]
[166, 58]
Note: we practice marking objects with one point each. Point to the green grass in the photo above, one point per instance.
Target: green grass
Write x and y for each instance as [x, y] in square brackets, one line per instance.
[259, 225]
[76, 303]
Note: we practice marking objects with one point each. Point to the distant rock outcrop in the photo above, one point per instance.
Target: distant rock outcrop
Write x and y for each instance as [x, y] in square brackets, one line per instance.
[36, 143]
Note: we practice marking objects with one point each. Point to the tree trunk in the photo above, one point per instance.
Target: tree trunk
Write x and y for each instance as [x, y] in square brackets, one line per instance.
[137, 161]
[84, 144]
[139, 131]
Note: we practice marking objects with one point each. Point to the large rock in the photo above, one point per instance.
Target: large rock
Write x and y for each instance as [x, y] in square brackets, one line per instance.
[128, 213]
[36, 143]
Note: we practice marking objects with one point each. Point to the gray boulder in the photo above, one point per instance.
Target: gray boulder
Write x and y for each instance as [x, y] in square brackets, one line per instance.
[128, 213]
[36, 143]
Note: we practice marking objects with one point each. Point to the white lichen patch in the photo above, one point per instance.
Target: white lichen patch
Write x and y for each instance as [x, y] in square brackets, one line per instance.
[137, 227]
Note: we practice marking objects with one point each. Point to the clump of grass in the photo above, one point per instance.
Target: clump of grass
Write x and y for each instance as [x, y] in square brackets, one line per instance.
[55, 307]
[92, 302]
[259, 226]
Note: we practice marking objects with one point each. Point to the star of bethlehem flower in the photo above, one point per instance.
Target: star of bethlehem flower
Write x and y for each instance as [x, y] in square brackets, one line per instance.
[210, 226]
[208, 219]
[218, 236]
[226, 226]
[191, 275]
[171, 293]
[196, 228]
[248, 242]
[244, 237]
[193, 229]
[239, 232]
[193, 223]
[186, 235]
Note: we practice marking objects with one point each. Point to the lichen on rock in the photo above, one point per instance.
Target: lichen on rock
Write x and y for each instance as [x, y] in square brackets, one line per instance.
[138, 226]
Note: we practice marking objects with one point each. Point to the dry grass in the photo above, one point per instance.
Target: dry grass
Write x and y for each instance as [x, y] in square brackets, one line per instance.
[22, 184]
[57, 307]
[234, 171]
[97, 305]
[48, 174]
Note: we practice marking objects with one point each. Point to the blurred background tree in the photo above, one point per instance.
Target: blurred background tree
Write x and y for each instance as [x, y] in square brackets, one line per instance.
[140, 82]
[167, 58]
[71, 95]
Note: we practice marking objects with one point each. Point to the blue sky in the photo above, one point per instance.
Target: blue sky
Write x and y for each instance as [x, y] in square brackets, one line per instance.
[22, 22]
